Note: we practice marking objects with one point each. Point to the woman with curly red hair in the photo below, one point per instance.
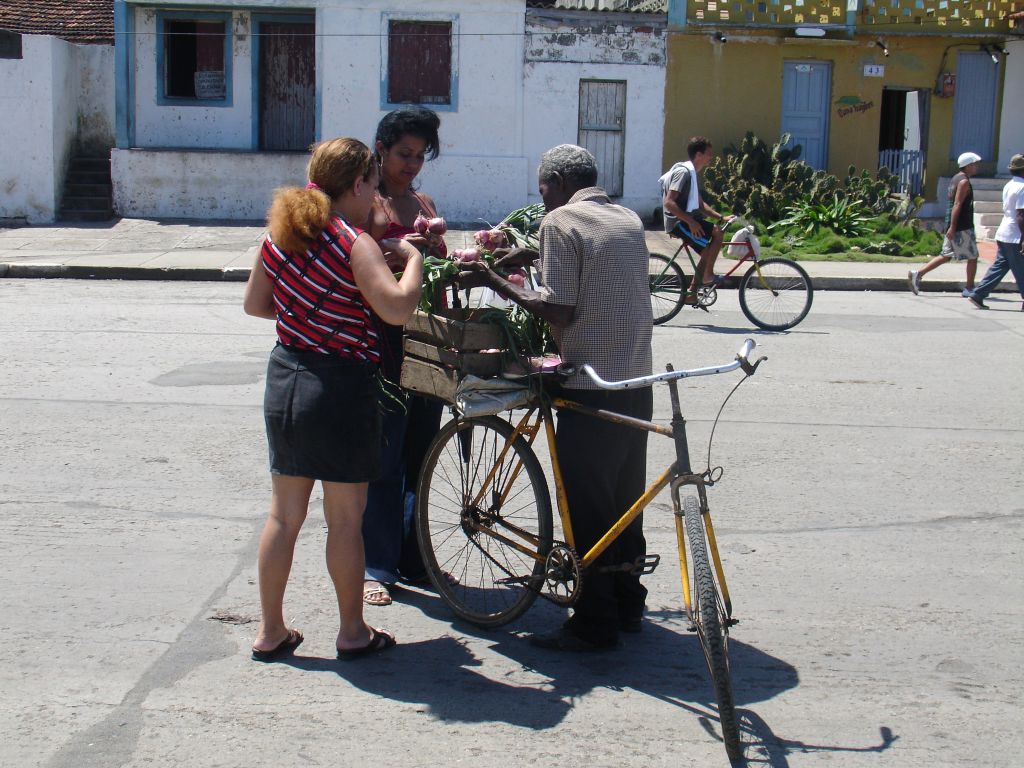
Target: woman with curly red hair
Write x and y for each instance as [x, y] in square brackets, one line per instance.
[322, 278]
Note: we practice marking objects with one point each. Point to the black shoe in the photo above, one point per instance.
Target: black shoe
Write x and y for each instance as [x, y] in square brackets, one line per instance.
[976, 301]
[564, 640]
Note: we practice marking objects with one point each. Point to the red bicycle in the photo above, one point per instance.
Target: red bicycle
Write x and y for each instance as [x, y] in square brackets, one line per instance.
[775, 292]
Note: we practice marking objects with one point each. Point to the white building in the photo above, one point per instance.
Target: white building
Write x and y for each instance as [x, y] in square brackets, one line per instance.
[217, 104]
[57, 96]
[598, 79]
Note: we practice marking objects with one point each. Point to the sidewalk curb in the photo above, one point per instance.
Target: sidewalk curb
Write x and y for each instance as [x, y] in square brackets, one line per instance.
[83, 272]
[241, 275]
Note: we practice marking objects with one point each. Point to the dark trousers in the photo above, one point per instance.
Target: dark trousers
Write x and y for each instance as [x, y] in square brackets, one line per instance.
[389, 536]
[604, 468]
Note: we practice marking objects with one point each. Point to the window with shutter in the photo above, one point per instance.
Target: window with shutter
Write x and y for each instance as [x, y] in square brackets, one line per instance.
[419, 62]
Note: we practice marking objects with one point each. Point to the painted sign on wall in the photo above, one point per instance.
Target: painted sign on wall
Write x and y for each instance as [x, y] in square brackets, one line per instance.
[849, 105]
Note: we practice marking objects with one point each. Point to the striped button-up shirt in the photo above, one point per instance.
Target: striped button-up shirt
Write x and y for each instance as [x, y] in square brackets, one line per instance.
[593, 256]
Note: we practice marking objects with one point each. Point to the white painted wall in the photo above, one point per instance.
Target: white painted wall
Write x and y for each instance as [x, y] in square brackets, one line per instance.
[65, 112]
[556, 62]
[482, 172]
[202, 127]
[50, 93]
[32, 153]
[95, 93]
[1011, 125]
[190, 184]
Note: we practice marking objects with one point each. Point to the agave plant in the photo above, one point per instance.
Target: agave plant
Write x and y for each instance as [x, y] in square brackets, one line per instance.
[843, 216]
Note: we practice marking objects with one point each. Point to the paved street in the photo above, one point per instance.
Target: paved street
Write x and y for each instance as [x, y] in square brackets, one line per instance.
[870, 518]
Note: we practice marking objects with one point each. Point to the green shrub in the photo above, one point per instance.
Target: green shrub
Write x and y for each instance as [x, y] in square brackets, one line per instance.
[825, 241]
[859, 242]
[881, 225]
[903, 233]
[929, 243]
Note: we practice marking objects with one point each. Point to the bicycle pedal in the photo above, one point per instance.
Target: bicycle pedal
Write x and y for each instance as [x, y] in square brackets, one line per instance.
[645, 564]
[730, 622]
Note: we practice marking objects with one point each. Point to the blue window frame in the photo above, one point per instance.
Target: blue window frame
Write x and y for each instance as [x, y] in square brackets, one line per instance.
[412, 72]
[193, 57]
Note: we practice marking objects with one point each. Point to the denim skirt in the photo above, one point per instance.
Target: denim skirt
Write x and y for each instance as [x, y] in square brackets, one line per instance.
[323, 417]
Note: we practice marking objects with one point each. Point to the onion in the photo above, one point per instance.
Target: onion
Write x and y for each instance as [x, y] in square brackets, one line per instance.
[437, 226]
[467, 255]
[421, 225]
[517, 278]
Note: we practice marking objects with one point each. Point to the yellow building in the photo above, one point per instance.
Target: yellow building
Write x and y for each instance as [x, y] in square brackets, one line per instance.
[905, 83]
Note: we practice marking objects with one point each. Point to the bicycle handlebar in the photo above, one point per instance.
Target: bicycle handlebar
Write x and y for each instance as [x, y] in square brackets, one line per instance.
[742, 360]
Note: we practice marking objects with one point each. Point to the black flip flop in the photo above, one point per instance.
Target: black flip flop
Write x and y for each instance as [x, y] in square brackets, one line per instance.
[379, 641]
[286, 646]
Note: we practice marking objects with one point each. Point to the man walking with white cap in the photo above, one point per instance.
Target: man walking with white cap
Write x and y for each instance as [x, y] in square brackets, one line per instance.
[960, 242]
[1010, 244]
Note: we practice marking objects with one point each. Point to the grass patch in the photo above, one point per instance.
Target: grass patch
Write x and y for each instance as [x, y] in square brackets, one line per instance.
[888, 242]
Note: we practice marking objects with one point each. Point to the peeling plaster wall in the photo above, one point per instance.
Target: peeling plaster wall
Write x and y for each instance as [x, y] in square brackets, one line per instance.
[31, 154]
[558, 56]
[1011, 126]
[604, 39]
[95, 70]
[201, 184]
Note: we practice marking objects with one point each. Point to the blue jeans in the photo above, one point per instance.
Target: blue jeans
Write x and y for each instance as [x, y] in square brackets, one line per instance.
[389, 536]
[1008, 259]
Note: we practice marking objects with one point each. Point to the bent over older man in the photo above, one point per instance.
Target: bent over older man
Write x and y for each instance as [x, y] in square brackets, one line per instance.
[596, 297]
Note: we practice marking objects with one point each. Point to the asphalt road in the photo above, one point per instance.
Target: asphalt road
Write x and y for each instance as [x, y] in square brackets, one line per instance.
[870, 519]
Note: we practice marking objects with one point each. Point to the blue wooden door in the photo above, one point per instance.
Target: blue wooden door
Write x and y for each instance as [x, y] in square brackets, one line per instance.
[974, 105]
[806, 90]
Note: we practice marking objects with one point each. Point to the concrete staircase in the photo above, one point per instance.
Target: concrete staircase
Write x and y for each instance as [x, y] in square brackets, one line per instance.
[988, 203]
[87, 190]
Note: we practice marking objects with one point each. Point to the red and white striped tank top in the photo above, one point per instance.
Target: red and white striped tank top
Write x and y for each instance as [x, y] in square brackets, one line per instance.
[318, 305]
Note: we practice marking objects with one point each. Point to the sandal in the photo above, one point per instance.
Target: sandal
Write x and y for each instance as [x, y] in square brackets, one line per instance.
[375, 593]
[380, 640]
[291, 641]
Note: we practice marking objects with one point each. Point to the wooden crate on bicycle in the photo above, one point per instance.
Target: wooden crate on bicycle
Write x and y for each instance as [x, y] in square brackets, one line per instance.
[442, 348]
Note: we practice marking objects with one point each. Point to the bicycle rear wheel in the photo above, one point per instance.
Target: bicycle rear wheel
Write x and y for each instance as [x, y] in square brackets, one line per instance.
[710, 618]
[475, 487]
[668, 287]
[779, 297]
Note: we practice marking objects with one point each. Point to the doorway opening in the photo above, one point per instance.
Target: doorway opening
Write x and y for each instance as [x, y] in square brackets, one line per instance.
[902, 135]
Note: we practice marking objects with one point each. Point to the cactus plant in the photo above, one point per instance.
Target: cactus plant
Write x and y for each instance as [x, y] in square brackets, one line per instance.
[760, 182]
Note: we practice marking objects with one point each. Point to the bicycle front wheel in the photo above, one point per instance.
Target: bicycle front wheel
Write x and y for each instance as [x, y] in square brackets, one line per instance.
[776, 294]
[668, 287]
[483, 515]
[710, 618]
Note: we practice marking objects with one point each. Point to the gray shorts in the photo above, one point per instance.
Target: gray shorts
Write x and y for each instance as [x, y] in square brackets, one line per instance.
[963, 246]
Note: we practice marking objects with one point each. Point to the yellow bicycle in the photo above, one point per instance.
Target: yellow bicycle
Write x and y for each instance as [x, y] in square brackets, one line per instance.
[483, 515]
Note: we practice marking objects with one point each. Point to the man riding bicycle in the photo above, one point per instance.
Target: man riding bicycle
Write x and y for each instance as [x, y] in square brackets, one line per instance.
[685, 212]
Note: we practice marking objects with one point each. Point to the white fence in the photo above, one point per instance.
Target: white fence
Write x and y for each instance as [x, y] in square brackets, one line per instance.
[907, 165]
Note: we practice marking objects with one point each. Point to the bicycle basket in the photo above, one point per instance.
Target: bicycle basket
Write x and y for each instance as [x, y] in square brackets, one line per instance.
[745, 235]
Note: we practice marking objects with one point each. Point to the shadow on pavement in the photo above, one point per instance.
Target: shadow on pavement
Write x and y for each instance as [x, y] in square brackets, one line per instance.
[445, 677]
